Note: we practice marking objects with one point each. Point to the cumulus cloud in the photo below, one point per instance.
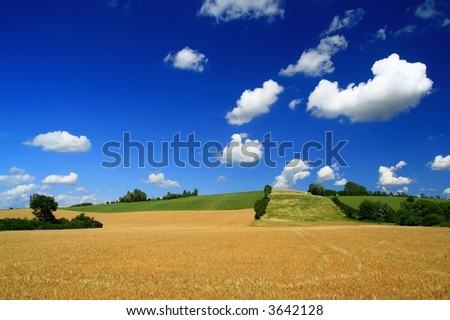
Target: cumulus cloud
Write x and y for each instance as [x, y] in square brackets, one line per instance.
[294, 171]
[17, 196]
[379, 35]
[60, 141]
[317, 61]
[253, 103]
[187, 59]
[447, 192]
[71, 178]
[159, 180]
[397, 86]
[341, 182]
[348, 21]
[15, 176]
[66, 200]
[403, 190]
[326, 173]
[242, 152]
[227, 10]
[294, 103]
[388, 177]
[440, 163]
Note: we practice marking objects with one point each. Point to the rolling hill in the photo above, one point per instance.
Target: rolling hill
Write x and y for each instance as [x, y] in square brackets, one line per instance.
[227, 201]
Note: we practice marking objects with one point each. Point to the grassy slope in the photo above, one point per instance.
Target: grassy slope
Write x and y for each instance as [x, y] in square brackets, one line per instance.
[301, 207]
[355, 201]
[228, 201]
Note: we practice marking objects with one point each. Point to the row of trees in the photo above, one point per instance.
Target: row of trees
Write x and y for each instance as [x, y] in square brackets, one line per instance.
[350, 189]
[412, 212]
[260, 205]
[43, 208]
[138, 195]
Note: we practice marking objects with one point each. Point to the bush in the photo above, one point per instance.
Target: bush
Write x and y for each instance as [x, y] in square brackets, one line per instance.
[79, 222]
[260, 205]
[376, 211]
[349, 211]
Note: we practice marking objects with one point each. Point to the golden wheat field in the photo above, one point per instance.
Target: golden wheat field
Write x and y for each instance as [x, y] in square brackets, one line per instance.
[220, 255]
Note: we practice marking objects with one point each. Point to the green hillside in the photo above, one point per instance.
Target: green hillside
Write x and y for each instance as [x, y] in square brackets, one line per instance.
[301, 207]
[228, 201]
[355, 201]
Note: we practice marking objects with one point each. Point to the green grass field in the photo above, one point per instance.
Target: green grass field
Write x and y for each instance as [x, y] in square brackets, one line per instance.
[355, 201]
[289, 205]
[228, 201]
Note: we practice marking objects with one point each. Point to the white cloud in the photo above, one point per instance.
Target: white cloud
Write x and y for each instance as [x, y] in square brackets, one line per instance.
[341, 182]
[405, 30]
[18, 196]
[67, 200]
[72, 178]
[403, 190]
[317, 61]
[187, 59]
[15, 176]
[227, 10]
[253, 103]
[159, 180]
[294, 103]
[82, 190]
[240, 151]
[294, 171]
[388, 177]
[440, 163]
[447, 192]
[60, 141]
[222, 178]
[426, 10]
[349, 20]
[397, 86]
[379, 35]
[326, 173]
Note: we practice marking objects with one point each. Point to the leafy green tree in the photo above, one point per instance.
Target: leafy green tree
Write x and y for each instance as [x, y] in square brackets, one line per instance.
[316, 189]
[43, 207]
[354, 189]
[267, 190]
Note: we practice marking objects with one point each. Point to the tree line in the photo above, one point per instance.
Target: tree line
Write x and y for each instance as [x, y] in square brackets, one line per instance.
[138, 195]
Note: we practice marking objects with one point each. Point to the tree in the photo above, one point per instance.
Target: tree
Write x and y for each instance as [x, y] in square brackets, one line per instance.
[195, 192]
[267, 190]
[316, 189]
[354, 189]
[43, 207]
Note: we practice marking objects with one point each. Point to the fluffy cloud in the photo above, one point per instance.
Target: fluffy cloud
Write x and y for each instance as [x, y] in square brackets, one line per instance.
[447, 192]
[294, 171]
[60, 141]
[397, 86]
[316, 62]
[227, 10]
[388, 177]
[341, 182]
[242, 152]
[294, 103]
[66, 200]
[253, 103]
[72, 178]
[379, 35]
[430, 10]
[159, 180]
[187, 59]
[15, 176]
[17, 196]
[440, 163]
[326, 173]
[403, 190]
[349, 20]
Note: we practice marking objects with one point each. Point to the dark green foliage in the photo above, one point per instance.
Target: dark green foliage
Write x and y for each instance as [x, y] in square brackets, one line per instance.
[185, 194]
[376, 211]
[43, 207]
[349, 211]
[329, 192]
[354, 189]
[84, 204]
[267, 190]
[423, 213]
[79, 222]
[316, 189]
[135, 196]
[260, 205]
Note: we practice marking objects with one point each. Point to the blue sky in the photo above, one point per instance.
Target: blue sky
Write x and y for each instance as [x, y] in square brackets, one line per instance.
[75, 75]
